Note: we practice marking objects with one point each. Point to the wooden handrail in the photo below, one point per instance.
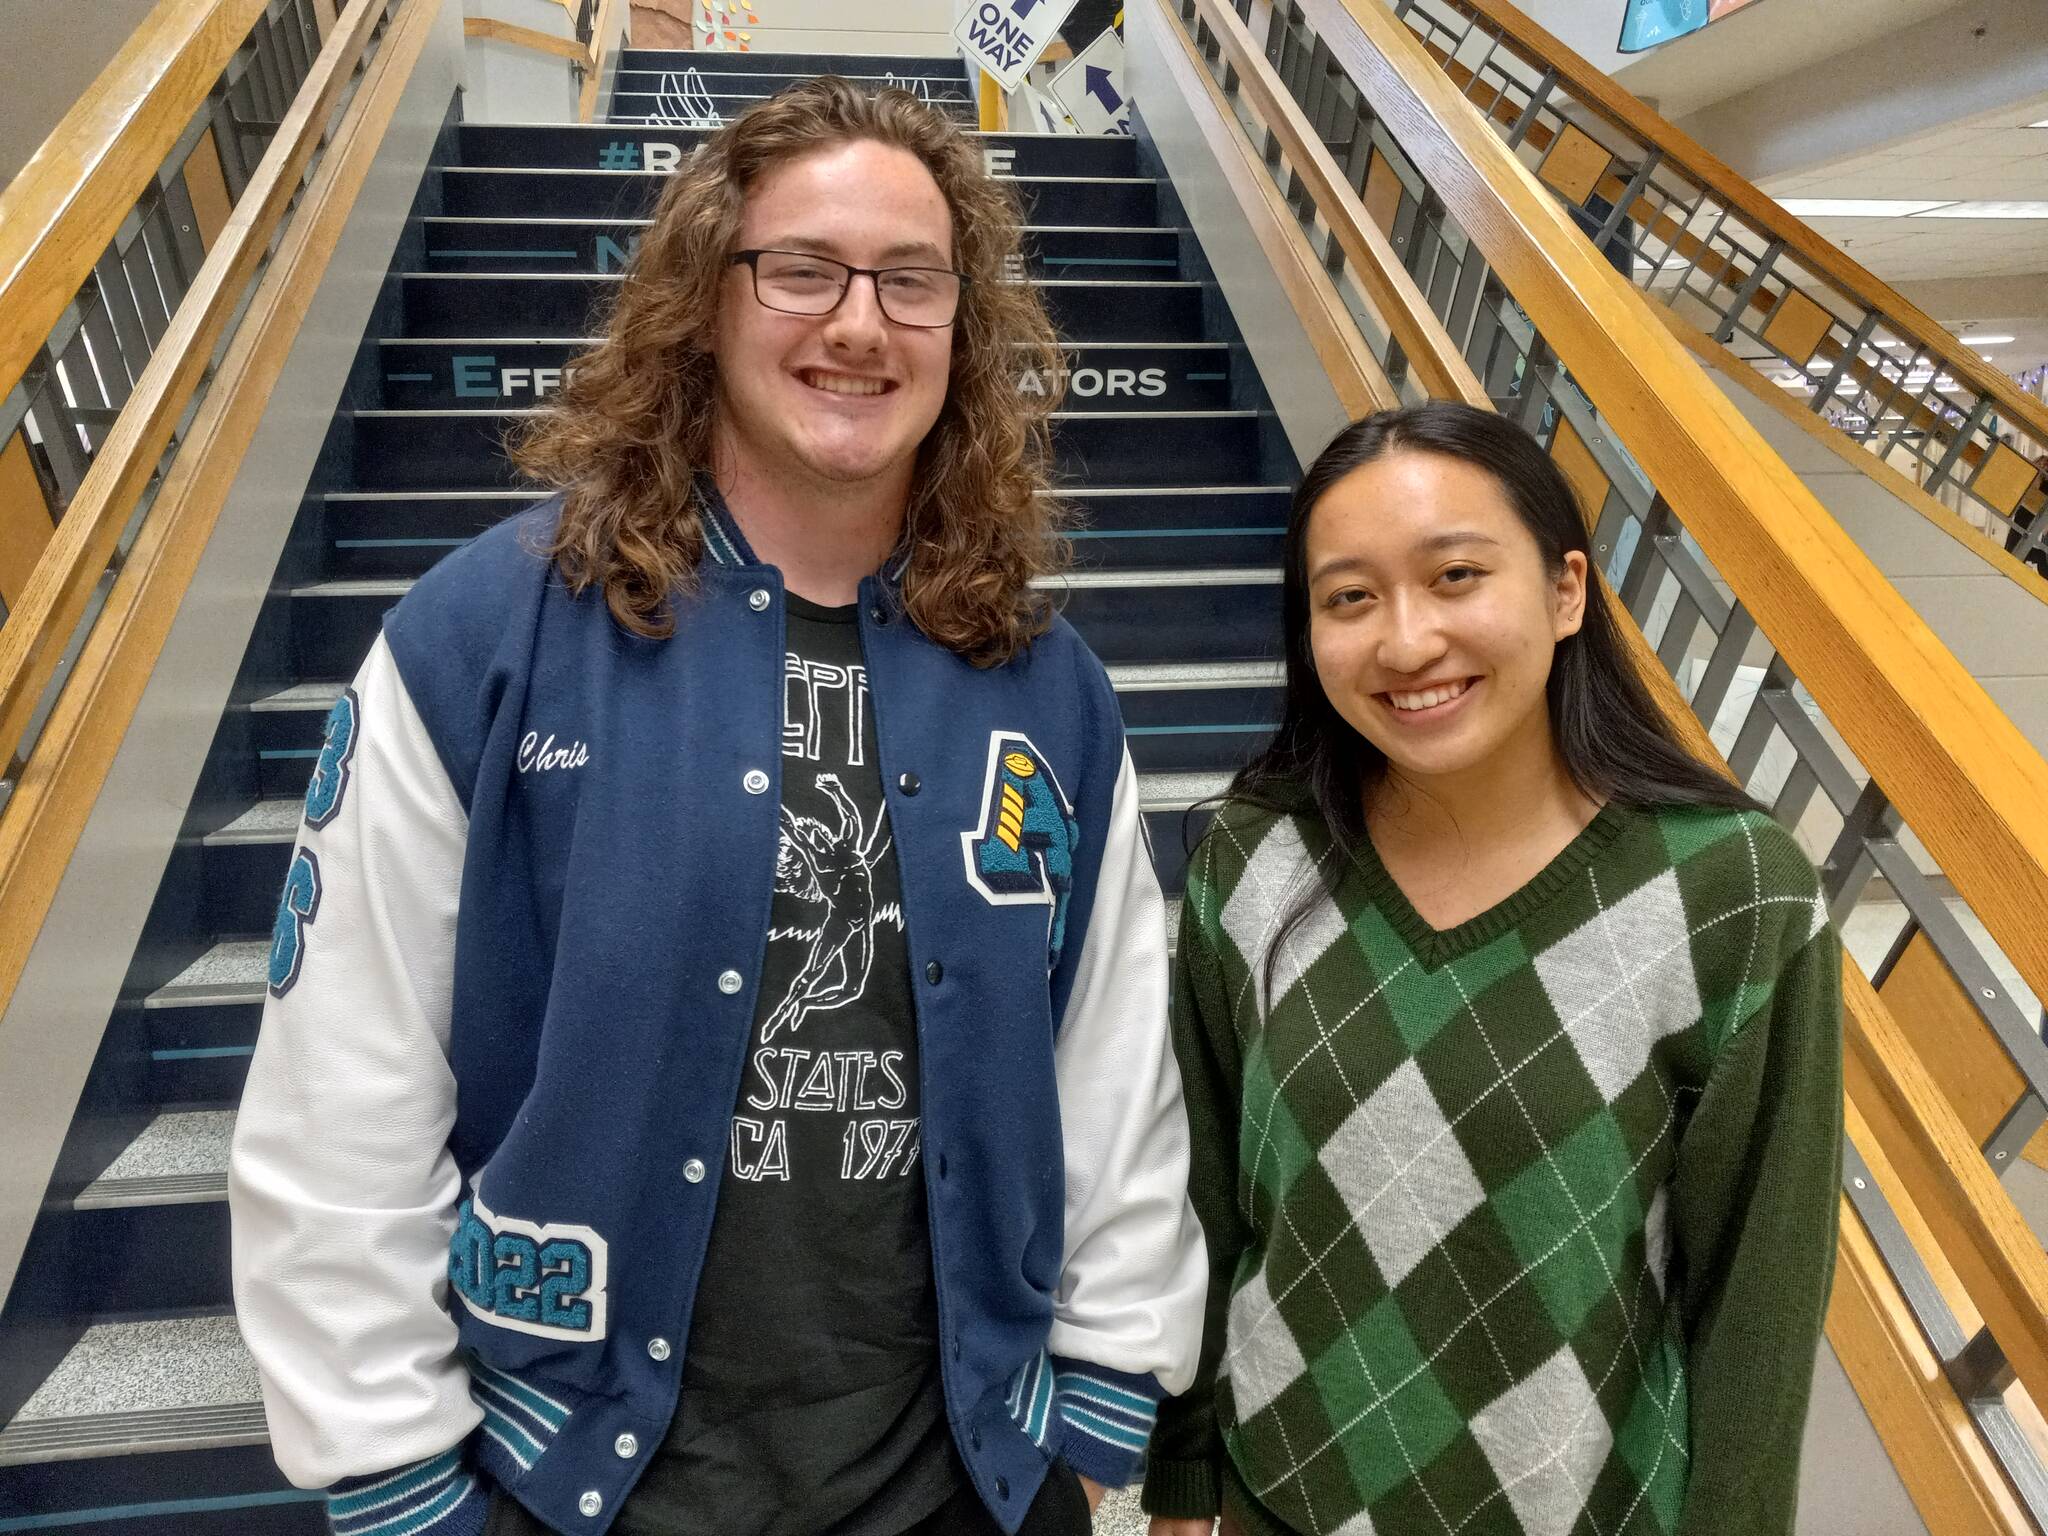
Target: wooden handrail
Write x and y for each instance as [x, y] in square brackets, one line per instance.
[1961, 773]
[58, 214]
[1361, 384]
[1903, 1120]
[1373, 263]
[493, 30]
[78, 744]
[1814, 251]
[40, 625]
[593, 74]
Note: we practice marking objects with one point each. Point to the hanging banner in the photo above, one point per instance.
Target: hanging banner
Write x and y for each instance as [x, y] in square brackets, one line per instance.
[1091, 89]
[1648, 23]
[1005, 37]
[1040, 111]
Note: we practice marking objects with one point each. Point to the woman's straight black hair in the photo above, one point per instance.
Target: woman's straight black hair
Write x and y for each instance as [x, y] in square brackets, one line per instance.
[1614, 740]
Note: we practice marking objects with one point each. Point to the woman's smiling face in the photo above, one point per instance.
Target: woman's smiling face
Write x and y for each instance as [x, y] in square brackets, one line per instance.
[1432, 621]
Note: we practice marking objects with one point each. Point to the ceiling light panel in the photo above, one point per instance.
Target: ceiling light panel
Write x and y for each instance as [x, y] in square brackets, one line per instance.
[1857, 207]
[1985, 208]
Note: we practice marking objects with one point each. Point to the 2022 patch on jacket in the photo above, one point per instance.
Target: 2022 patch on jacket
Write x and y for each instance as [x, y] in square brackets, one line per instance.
[511, 986]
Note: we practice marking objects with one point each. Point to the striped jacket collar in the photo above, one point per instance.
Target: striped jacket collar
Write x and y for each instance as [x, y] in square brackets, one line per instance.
[724, 544]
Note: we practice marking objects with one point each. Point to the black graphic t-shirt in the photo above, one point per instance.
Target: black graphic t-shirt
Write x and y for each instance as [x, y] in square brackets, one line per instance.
[811, 1399]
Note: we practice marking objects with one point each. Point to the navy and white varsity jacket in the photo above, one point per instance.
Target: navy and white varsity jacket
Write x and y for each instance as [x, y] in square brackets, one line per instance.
[512, 984]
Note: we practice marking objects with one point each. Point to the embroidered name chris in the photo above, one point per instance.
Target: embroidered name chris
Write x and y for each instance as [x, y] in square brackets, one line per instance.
[538, 756]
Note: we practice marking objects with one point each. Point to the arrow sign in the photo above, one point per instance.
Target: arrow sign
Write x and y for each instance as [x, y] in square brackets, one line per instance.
[1005, 37]
[1091, 88]
[1100, 88]
[1046, 115]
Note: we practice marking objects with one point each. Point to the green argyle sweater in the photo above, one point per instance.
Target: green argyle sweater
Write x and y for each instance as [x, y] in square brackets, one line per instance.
[1526, 1226]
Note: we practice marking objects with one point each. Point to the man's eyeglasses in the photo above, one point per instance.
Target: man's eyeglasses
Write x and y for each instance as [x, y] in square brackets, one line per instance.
[798, 283]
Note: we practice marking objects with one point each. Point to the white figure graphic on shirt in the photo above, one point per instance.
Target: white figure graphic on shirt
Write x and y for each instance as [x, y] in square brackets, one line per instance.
[833, 868]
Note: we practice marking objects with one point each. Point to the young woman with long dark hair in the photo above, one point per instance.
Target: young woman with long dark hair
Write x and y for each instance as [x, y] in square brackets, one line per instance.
[1511, 1043]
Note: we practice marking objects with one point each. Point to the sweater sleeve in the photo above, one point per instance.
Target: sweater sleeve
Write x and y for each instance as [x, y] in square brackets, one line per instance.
[341, 1187]
[1756, 1198]
[1184, 1475]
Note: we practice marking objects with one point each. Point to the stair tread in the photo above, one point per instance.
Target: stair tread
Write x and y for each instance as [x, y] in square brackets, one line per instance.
[153, 1367]
[267, 821]
[181, 1157]
[1177, 791]
[1147, 676]
[1202, 576]
[298, 696]
[1065, 492]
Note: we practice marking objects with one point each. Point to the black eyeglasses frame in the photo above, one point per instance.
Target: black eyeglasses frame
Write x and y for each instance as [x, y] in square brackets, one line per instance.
[750, 259]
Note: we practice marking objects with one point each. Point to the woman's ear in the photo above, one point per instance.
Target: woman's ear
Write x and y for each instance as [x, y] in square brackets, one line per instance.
[1569, 593]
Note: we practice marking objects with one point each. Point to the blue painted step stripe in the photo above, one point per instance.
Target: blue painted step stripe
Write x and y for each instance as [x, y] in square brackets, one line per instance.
[111, 1512]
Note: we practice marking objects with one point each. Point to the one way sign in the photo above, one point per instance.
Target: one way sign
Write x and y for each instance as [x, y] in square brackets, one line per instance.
[1092, 87]
[1005, 37]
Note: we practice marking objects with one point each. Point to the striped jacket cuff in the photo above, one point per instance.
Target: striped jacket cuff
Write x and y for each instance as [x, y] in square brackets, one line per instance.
[440, 1496]
[1105, 1419]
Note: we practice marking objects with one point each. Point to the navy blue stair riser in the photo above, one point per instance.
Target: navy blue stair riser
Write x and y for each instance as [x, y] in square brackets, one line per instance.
[645, 107]
[473, 193]
[553, 307]
[935, 80]
[603, 246]
[1173, 834]
[1169, 729]
[459, 451]
[770, 63]
[405, 536]
[200, 1054]
[228, 1491]
[626, 147]
[467, 375]
[1226, 621]
[130, 1259]
[258, 870]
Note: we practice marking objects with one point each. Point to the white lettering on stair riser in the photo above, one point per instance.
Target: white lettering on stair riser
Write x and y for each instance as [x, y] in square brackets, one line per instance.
[478, 376]
[538, 756]
[1088, 383]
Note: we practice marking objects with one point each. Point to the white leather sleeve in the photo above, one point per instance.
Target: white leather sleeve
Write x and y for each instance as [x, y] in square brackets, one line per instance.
[342, 1189]
[1135, 1275]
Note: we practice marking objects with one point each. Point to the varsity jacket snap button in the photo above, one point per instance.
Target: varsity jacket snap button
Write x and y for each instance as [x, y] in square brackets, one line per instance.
[628, 1446]
[729, 982]
[657, 1349]
[879, 614]
[693, 1171]
[974, 1440]
[758, 599]
[910, 783]
[1002, 1487]
[935, 973]
[942, 1165]
[756, 782]
[591, 1505]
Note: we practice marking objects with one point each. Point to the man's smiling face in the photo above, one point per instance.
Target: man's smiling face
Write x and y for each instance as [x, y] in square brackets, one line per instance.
[845, 398]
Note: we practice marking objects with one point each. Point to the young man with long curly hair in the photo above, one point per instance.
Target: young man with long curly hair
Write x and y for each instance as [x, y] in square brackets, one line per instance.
[716, 1075]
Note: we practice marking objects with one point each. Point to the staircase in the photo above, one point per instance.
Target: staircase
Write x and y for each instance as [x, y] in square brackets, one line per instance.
[1392, 199]
[128, 1402]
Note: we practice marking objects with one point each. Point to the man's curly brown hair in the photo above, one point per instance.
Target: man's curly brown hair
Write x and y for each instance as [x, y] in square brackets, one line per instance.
[632, 427]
